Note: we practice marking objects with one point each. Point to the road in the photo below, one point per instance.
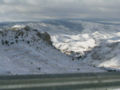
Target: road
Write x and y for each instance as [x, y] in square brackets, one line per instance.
[83, 81]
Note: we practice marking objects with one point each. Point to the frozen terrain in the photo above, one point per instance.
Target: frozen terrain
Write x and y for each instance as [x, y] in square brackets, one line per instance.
[94, 43]
[35, 47]
[24, 50]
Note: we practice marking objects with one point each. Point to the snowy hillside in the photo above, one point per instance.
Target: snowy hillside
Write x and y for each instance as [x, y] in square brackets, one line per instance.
[30, 47]
[84, 40]
[24, 50]
[105, 55]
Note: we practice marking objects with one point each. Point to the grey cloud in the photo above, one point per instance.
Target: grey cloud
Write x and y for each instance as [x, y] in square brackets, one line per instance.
[38, 9]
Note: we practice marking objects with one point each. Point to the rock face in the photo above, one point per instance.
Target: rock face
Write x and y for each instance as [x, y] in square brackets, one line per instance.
[46, 37]
[25, 34]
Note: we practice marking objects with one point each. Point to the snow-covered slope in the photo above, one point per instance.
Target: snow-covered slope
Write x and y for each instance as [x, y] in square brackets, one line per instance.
[105, 55]
[29, 50]
[85, 40]
[24, 50]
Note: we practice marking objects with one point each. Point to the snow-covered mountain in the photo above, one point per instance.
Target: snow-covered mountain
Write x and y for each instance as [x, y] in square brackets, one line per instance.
[24, 50]
[85, 40]
[34, 47]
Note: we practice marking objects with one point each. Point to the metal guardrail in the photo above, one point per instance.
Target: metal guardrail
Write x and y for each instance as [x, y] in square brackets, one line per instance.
[83, 81]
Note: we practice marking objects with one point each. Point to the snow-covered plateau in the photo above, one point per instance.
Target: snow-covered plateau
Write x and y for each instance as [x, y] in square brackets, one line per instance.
[59, 46]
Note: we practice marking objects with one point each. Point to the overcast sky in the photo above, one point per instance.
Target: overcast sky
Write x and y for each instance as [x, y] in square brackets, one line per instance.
[48, 9]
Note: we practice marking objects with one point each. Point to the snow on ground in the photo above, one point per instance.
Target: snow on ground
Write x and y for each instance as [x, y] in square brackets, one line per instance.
[87, 43]
[24, 50]
[92, 43]
[105, 55]
[79, 39]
